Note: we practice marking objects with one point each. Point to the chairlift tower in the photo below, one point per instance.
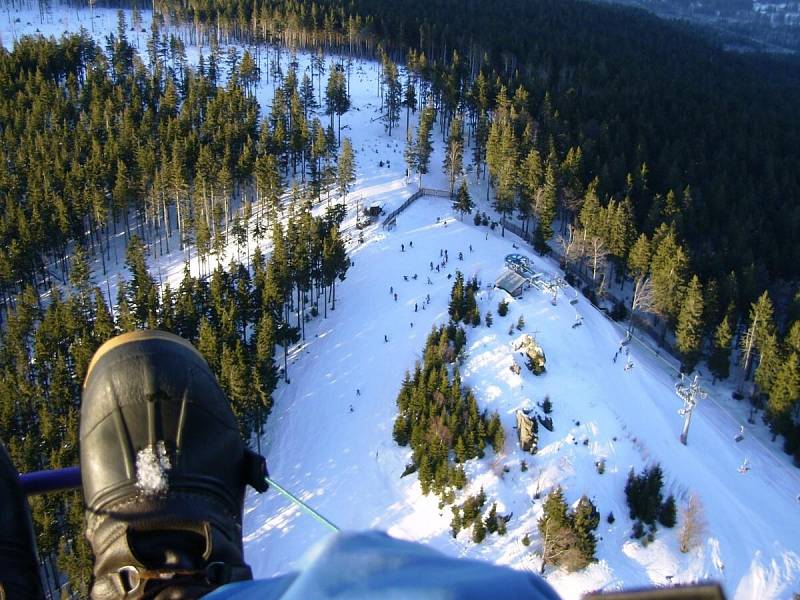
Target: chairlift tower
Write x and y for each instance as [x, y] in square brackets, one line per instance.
[690, 395]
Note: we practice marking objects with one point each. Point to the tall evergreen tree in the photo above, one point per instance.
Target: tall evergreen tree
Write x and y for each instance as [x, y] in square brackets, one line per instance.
[346, 173]
[423, 145]
[546, 210]
[719, 361]
[690, 327]
[463, 202]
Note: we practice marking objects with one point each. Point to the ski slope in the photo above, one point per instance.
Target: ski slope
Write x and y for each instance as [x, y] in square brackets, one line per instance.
[346, 465]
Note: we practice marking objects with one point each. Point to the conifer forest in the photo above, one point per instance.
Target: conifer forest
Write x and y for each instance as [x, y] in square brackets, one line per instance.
[660, 173]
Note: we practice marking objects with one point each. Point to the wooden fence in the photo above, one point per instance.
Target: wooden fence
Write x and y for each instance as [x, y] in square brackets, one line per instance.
[388, 222]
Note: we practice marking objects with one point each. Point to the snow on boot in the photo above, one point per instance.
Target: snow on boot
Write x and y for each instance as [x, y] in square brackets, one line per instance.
[19, 571]
[164, 471]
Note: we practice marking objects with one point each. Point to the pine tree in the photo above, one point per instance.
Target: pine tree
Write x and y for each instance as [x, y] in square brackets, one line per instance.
[554, 529]
[346, 174]
[667, 515]
[546, 210]
[668, 273]
[498, 434]
[502, 308]
[690, 328]
[762, 320]
[409, 100]
[463, 202]
[423, 145]
[455, 522]
[769, 363]
[719, 361]
[393, 94]
[478, 531]
[783, 399]
[531, 182]
[639, 257]
[585, 520]
[337, 100]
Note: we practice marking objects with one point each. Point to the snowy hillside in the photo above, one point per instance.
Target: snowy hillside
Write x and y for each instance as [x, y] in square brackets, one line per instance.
[345, 464]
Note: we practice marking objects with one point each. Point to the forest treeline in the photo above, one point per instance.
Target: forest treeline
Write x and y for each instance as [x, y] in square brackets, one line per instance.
[97, 142]
[103, 145]
[236, 317]
[652, 105]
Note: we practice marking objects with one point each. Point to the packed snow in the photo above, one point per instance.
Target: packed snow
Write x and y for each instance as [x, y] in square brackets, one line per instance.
[329, 437]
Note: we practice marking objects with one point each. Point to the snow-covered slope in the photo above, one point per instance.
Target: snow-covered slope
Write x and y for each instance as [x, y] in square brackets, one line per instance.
[346, 465]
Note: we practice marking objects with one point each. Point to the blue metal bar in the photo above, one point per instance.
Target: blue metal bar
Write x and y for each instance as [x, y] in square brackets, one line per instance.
[56, 480]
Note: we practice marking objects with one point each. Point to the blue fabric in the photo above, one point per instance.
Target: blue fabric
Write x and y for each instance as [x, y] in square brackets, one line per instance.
[374, 565]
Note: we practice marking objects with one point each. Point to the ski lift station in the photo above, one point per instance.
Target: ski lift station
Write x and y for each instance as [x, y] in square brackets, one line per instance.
[517, 276]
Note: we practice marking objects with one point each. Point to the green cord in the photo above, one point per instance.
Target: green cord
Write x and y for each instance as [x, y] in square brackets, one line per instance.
[301, 504]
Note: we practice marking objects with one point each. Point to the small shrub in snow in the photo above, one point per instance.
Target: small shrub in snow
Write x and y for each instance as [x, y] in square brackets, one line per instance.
[520, 323]
[488, 319]
[502, 308]
[455, 523]
[567, 536]
[638, 530]
[502, 528]
[526, 540]
[601, 466]
[478, 531]
[523, 466]
[667, 515]
[547, 406]
[491, 519]
[619, 312]
[643, 494]
[610, 518]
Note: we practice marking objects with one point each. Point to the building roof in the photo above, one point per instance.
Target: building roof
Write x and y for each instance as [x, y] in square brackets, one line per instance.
[511, 282]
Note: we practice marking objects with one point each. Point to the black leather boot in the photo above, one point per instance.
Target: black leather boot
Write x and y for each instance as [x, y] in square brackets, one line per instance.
[164, 471]
[19, 570]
